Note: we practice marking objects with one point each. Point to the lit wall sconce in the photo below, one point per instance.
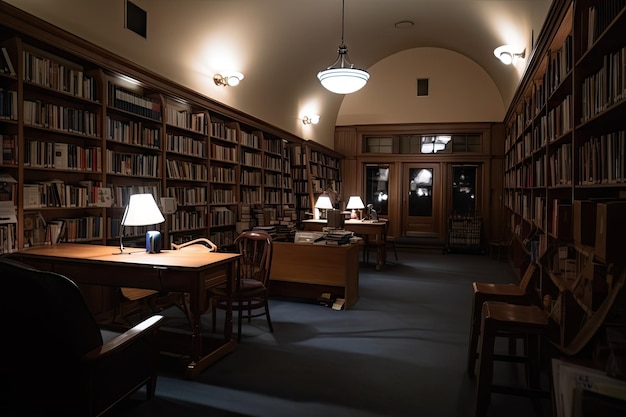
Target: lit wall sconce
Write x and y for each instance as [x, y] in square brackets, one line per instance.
[311, 120]
[228, 79]
[507, 54]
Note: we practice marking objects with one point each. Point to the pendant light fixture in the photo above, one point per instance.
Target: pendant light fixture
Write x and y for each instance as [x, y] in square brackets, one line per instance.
[342, 77]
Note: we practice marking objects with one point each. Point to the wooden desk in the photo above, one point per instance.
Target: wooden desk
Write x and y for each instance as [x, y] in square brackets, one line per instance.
[308, 270]
[176, 271]
[366, 229]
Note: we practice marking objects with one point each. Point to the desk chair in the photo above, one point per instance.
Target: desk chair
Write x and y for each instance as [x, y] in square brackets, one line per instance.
[56, 359]
[250, 296]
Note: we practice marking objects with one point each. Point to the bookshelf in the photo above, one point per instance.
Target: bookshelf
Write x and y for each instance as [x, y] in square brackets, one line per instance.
[187, 169]
[564, 160]
[82, 129]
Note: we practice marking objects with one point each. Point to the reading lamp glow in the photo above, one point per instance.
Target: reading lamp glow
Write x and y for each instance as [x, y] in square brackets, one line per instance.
[142, 210]
[355, 203]
[323, 203]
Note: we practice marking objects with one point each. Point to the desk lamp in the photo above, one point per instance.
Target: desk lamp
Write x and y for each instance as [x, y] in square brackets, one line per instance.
[323, 203]
[141, 210]
[355, 203]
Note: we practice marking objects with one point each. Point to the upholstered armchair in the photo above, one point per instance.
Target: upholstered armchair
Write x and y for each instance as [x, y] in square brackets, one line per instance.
[56, 360]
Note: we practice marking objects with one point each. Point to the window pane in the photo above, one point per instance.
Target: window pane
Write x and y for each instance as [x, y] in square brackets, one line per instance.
[421, 192]
[464, 190]
[378, 144]
[377, 188]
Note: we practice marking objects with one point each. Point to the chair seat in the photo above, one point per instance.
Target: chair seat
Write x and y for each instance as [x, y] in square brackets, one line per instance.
[509, 316]
[512, 290]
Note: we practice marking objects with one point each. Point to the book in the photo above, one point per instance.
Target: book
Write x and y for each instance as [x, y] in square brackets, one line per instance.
[6, 61]
[61, 155]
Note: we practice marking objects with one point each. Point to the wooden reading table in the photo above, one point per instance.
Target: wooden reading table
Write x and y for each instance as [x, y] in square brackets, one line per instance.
[170, 271]
[364, 228]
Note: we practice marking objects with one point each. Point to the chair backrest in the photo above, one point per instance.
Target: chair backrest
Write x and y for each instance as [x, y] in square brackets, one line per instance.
[47, 329]
[255, 248]
[47, 310]
[527, 277]
[200, 244]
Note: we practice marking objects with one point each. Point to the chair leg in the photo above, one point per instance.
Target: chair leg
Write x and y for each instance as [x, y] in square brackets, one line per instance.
[239, 309]
[472, 350]
[267, 315]
[485, 368]
[213, 313]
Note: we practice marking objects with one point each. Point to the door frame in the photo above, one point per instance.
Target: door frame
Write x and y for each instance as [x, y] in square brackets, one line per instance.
[427, 226]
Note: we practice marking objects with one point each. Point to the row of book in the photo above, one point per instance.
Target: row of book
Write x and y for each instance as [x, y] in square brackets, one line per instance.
[132, 164]
[9, 149]
[8, 104]
[188, 196]
[59, 76]
[56, 193]
[185, 145]
[221, 131]
[66, 119]
[184, 170]
[59, 155]
[132, 132]
[185, 119]
[188, 220]
[123, 99]
[606, 87]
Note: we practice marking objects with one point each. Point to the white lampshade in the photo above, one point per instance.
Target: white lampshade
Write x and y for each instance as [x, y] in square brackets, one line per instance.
[355, 203]
[142, 210]
[323, 202]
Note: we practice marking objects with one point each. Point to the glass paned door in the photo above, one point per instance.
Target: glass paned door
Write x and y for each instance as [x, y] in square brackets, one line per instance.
[422, 199]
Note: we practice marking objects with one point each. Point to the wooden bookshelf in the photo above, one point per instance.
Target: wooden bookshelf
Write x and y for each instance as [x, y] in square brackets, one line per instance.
[564, 154]
[86, 129]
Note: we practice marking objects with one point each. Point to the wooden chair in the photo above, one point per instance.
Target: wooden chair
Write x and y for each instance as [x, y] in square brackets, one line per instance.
[526, 321]
[510, 293]
[249, 298]
[56, 358]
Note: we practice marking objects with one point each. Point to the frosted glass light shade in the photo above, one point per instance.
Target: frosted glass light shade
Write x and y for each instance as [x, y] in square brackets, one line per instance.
[343, 80]
[142, 210]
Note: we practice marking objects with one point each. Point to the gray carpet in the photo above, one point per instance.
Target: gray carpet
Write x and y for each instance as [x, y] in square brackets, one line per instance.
[401, 351]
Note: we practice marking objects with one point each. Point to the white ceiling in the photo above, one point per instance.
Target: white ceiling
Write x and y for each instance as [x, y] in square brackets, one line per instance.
[280, 45]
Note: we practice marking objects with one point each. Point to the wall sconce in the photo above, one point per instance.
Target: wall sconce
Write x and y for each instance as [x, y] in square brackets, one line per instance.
[507, 54]
[355, 203]
[228, 79]
[311, 120]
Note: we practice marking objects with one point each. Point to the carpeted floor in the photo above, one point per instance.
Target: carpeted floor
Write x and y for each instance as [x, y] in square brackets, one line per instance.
[401, 351]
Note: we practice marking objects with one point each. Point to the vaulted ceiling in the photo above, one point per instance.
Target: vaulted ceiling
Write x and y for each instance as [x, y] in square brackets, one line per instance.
[280, 45]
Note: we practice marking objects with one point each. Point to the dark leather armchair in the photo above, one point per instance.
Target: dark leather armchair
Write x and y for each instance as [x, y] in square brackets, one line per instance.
[56, 360]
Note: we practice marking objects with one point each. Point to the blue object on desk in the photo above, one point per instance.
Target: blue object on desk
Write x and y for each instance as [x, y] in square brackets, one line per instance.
[153, 241]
